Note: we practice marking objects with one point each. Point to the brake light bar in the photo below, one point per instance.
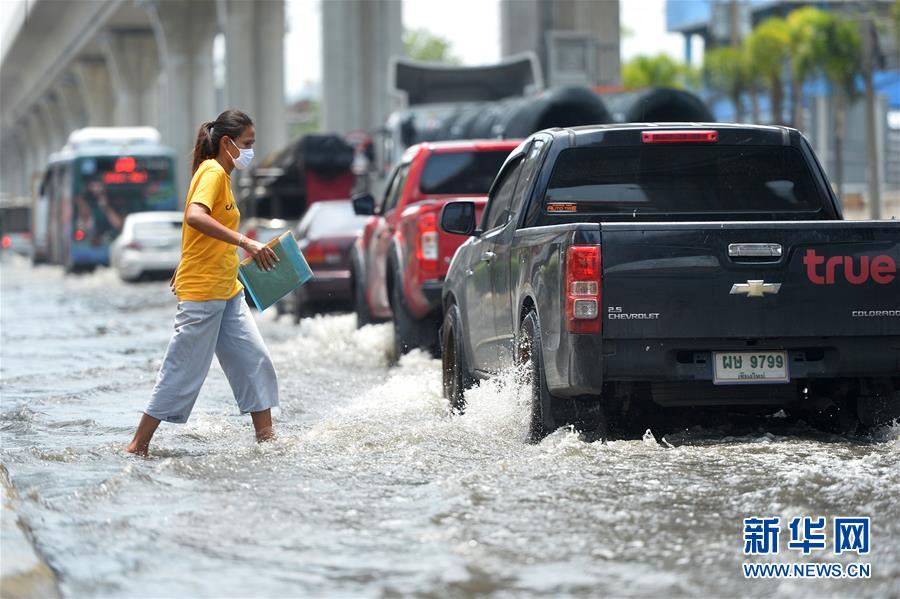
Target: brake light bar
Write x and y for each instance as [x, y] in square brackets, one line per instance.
[583, 289]
[679, 137]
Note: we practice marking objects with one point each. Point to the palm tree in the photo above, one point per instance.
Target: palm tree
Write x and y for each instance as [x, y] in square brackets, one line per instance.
[723, 69]
[895, 18]
[842, 52]
[752, 80]
[657, 71]
[767, 50]
[805, 27]
[421, 44]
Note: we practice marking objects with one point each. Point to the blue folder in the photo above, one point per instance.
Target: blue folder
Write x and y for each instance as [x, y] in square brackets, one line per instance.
[266, 287]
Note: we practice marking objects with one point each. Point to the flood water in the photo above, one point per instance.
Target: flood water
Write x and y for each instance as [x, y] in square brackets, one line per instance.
[373, 488]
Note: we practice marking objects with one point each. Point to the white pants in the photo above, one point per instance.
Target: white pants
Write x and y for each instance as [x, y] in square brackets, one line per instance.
[224, 328]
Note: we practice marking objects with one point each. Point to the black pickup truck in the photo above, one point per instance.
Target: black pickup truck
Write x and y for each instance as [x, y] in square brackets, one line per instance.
[669, 265]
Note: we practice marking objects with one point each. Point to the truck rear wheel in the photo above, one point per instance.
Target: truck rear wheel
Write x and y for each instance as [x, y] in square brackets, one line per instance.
[831, 406]
[409, 332]
[530, 356]
[453, 361]
[405, 331]
[879, 403]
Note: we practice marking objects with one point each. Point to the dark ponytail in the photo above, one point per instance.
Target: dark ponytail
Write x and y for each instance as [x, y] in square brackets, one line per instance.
[231, 123]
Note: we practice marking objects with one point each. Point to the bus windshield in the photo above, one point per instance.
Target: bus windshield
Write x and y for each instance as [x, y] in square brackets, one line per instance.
[108, 188]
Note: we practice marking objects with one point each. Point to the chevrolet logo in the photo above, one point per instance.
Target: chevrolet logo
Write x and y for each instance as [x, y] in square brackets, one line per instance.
[755, 288]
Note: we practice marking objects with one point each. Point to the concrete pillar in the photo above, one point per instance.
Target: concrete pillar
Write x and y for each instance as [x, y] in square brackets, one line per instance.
[12, 164]
[522, 26]
[71, 102]
[254, 67]
[7, 168]
[92, 76]
[133, 60]
[53, 122]
[185, 33]
[530, 25]
[601, 19]
[37, 147]
[359, 38]
[20, 176]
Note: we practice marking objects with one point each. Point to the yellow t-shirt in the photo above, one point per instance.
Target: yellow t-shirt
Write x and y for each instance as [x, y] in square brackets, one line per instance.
[208, 269]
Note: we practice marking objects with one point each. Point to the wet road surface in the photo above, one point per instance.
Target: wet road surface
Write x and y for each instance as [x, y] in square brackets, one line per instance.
[373, 488]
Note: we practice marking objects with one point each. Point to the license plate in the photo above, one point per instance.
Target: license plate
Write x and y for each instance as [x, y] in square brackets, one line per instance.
[750, 367]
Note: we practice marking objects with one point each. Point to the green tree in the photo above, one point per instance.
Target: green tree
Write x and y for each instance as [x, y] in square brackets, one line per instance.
[767, 50]
[806, 28]
[723, 70]
[658, 71]
[753, 81]
[895, 22]
[842, 64]
[421, 44]
[305, 121]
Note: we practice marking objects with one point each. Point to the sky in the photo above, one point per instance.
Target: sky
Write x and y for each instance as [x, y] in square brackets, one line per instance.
[471, 26]
[643, 24]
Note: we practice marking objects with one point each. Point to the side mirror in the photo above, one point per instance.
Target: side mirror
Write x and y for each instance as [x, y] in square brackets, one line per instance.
[458, 218]
[364, 205]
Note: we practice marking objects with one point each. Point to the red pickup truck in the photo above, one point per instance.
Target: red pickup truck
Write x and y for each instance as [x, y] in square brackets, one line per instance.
[400, 259]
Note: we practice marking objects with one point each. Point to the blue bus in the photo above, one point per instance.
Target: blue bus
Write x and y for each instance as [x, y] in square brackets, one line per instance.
[102, 175]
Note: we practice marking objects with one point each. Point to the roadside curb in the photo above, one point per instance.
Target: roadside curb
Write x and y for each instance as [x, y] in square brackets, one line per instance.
[23, 573]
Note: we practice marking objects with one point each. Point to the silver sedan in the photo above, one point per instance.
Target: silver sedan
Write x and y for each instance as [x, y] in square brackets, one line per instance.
[150, 244]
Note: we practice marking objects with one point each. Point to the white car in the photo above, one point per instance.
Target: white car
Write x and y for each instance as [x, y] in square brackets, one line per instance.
[149, 245]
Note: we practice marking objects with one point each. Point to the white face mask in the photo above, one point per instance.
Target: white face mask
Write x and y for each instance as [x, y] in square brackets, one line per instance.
[244, 159]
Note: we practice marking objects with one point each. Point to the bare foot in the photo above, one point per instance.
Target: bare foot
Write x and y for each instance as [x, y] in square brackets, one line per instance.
[138, 450]
[262, 423]
[140, 444]
[265, 434]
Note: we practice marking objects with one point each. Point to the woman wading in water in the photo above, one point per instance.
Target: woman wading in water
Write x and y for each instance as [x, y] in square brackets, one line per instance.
[212, 316]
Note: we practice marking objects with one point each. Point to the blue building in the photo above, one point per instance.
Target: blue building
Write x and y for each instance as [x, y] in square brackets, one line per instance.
[711, 19]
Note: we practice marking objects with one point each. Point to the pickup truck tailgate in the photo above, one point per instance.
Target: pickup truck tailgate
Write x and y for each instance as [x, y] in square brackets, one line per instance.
[693, 279]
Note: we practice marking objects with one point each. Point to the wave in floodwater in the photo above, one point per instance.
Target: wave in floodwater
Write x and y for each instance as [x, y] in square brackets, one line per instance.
[373, 486]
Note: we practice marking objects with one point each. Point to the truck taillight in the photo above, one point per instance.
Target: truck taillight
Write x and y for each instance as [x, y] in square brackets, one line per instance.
[583, 289]
[427, 250]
